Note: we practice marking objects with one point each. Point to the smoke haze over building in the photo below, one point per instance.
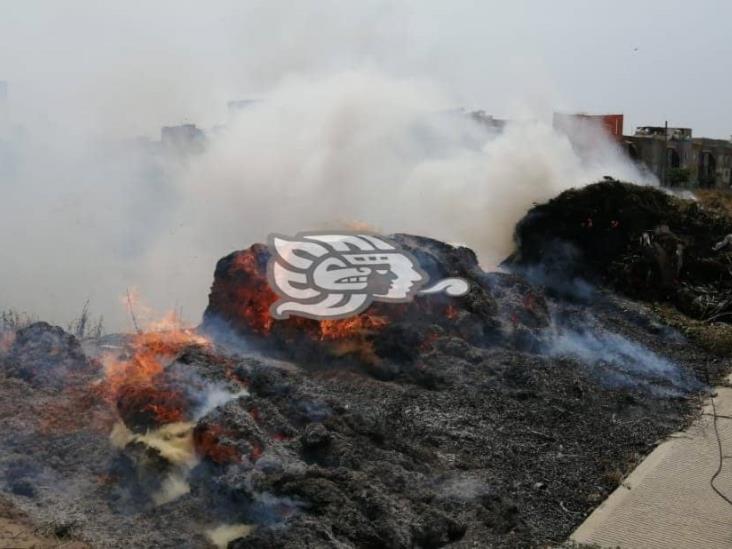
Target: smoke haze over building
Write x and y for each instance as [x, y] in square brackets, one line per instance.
[354, 124]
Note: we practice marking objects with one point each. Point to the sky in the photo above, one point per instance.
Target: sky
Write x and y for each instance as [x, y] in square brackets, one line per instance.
[130, 67]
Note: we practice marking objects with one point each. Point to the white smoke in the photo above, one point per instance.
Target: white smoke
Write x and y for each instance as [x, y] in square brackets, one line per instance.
[87, 221]
[363, 148]
[615, 359]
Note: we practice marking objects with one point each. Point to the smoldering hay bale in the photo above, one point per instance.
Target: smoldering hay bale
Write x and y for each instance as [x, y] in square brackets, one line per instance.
[240, 298]
[47, 356]
[638, 240]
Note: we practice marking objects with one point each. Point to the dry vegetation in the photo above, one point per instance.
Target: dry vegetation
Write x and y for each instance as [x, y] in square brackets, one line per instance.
[715, 337]
[716, 199]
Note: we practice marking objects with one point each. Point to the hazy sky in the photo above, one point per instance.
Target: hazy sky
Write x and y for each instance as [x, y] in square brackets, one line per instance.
[134, 65]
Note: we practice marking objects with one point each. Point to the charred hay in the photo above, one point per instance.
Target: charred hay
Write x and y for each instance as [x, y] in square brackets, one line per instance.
[638, 240]
[500, 419]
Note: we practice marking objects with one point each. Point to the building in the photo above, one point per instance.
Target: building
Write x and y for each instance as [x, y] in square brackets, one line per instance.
[711, 162]
[673, 155]
[569, 123]
[665, 152]
[679, 159]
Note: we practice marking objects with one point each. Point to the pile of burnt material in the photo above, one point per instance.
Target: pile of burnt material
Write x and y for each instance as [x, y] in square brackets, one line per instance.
[47, 356]
[500, 418]
[385, 335]
[509, 449]
[638, 240]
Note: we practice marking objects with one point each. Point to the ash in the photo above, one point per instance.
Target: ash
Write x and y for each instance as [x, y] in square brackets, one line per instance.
[498, 419]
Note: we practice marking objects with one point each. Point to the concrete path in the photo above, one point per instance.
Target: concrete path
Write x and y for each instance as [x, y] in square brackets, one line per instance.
[668, 502]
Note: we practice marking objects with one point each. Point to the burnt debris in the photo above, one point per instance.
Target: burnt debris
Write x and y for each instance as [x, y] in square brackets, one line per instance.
[497, 419]
[640, 241]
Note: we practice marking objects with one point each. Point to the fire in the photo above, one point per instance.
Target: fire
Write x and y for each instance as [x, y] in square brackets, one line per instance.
[209, 443]
[254, 296]
[144, 405]
[451, 312]
[131, 381]
[348, 327]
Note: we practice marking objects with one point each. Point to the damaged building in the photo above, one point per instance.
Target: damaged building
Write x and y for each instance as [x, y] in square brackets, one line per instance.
[679, 159]
[672, 154]
[570, 123]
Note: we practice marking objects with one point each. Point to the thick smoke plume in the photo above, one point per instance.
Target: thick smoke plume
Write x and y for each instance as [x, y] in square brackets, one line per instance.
[86, 220]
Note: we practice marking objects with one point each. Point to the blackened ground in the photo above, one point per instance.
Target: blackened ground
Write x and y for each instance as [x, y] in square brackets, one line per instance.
[512, 450]
[466, 446]
[501, 419]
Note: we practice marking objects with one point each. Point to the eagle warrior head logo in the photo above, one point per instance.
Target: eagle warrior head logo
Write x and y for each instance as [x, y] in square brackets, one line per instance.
[330, 276]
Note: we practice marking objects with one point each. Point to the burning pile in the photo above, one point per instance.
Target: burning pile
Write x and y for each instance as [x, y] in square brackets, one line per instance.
[241, 297]
[473, 420]
[146, 392]
[638, 240]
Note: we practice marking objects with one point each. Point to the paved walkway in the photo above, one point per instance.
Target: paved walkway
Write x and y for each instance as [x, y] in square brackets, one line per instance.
[667, 502]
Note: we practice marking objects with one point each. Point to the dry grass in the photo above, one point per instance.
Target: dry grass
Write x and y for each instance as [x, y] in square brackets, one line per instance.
[83, 326]
[719, 200]
[12, 320]
[715, 337]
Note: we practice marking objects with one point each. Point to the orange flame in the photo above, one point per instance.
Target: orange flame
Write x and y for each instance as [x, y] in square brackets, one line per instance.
[208, 441]
[133, 376]
[347, 327]
[256, 297]
[451, 312]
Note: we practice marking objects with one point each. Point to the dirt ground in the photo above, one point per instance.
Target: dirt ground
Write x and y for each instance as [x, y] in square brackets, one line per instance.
[716, 199]
[18, 532]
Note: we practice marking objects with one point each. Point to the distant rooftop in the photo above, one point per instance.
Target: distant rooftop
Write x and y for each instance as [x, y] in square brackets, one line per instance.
[660, 131]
